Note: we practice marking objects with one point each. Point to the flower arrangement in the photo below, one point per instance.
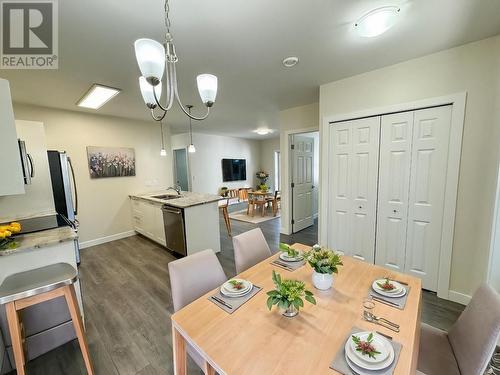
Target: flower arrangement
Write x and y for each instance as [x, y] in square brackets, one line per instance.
[324, 260]
[263, 177]
[288, 295]
[6, 231]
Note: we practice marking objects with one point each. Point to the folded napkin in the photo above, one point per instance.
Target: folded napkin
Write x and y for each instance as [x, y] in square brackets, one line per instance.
[400, 302]
[340, 363]
[235, 302]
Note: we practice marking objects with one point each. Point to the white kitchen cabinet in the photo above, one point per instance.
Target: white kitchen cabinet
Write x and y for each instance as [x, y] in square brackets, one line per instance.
[11, 169]
[147, 219]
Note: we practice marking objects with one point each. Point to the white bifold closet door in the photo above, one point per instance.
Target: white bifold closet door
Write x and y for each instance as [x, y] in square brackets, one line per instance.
[396, 135]
[429, 161]
[353, 171]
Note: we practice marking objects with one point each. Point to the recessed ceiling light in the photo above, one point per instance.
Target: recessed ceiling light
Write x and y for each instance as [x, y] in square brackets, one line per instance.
[290, 61]
[377, 21]
[263, 131]
[97, 96]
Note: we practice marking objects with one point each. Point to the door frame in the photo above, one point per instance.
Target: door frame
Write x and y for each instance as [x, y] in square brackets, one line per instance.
[188, 165]
[286, 165]
[458, 102]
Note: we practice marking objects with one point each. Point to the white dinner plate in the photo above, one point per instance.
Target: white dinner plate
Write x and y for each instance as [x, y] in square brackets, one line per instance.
[400, 290]
[380, 343]
[286, 258]
[352, 357]
[228, 290]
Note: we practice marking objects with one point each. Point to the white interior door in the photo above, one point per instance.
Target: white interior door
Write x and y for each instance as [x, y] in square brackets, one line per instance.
[426, 195]
[302, 182]
[394, 180]
[353, 180]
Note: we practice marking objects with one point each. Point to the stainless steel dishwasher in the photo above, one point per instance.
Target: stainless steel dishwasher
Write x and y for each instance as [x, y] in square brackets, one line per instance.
[175, 232]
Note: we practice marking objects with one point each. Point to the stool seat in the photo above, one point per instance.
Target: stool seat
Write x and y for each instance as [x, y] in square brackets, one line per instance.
[33, 282]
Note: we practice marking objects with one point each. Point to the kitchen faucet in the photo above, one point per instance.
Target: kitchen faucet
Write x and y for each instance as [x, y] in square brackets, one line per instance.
[177, 189]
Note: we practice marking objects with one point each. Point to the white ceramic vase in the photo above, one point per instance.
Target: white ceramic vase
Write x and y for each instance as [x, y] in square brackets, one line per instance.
[322, 281]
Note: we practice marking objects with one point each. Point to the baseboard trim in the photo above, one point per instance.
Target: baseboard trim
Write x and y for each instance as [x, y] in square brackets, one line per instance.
[101, 240]
[458, 297]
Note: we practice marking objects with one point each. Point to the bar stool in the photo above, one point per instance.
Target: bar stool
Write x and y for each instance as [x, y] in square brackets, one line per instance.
[24, 289]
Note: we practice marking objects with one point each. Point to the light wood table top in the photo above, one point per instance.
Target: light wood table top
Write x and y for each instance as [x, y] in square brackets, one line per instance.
[254, 340]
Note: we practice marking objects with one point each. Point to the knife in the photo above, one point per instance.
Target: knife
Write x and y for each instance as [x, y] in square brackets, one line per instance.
[384, 301]
[222, 302]
[276, 263]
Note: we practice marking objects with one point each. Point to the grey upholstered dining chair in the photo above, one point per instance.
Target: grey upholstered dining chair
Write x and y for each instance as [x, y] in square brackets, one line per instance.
[250, 248]
[190, 278]
[468, 346]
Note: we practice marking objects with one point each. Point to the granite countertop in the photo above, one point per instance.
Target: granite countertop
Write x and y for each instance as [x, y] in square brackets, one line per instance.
[41, 239]
[187, 198]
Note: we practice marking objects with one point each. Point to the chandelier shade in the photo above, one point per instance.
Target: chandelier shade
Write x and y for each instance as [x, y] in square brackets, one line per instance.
[150, 57]
[207, 87]
[147, 92]
[191, 149]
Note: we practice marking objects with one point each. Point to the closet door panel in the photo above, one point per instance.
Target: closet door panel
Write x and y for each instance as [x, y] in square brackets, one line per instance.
[394, 180]
[427, 187]
[339, 176]
[353, 170]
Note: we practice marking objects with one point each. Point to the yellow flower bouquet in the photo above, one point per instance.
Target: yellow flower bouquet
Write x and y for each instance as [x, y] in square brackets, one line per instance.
[6, 231]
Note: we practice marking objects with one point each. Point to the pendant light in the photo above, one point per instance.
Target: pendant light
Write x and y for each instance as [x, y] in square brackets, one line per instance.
[163, 152]
[156, 60]
[191, 148]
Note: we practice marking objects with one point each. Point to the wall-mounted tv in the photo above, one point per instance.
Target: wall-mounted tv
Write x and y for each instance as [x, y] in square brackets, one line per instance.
[234, 170]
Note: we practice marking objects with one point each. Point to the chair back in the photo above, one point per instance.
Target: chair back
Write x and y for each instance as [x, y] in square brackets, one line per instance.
[277, 195]
[474, 336]
[193, 276]
[250, 248]
[243, 194]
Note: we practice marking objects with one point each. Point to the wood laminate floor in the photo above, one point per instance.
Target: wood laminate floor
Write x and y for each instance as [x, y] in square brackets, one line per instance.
[127, 302]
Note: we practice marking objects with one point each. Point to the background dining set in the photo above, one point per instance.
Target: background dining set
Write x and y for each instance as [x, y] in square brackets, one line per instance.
[226, 328]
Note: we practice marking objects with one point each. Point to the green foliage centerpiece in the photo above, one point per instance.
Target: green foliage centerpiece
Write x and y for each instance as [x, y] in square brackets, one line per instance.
[288, 295]
[325, 263]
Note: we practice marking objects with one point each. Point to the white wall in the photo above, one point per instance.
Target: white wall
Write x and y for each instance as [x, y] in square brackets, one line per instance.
[293, 120]
[38, 199]
[473, 68]
[267, 149]
[104, 204]
[205, 165]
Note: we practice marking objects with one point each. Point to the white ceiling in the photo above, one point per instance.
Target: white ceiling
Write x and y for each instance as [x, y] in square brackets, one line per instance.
[243, 43]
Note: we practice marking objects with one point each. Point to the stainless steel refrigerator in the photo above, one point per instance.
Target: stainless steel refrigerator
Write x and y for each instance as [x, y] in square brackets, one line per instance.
[64, 188]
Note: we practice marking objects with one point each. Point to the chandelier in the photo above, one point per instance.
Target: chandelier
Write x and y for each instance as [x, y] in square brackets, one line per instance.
[155, 59]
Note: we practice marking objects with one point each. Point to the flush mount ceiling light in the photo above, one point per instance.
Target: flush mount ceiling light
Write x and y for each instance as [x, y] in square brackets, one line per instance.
[263, 131]
[97, 96]
[154, 59]
[288, 62]
[377, 21]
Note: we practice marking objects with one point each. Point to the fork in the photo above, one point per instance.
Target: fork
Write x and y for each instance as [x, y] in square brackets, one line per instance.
[376, 318]
[370, 319]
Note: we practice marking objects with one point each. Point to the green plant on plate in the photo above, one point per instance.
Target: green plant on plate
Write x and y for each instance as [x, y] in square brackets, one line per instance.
[288, 293]
[324, 260]
[365, 347]
[292, 253]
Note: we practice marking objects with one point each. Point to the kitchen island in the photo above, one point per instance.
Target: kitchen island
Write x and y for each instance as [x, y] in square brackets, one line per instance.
[184, 223]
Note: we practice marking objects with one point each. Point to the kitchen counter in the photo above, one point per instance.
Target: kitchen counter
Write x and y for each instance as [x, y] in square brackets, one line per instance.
[41, 239]
[187, 199]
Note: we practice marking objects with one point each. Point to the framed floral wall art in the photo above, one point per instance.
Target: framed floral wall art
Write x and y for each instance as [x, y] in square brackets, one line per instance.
[111, 161]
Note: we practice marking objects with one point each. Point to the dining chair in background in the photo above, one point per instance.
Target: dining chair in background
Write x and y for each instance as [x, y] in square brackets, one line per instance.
[468, 346]
[190, 278]
[223, 207]
[250, 248]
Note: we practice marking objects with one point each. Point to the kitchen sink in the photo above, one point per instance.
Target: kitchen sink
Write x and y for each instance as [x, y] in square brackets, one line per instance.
[166, 196]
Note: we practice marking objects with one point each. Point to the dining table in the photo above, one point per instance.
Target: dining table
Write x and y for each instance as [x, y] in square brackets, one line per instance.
[254, 340]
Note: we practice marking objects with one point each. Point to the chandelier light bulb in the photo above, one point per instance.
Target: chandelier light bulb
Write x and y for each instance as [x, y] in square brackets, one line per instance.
[163, 152]
[147, 92]
[191, 149]
[150, 57]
